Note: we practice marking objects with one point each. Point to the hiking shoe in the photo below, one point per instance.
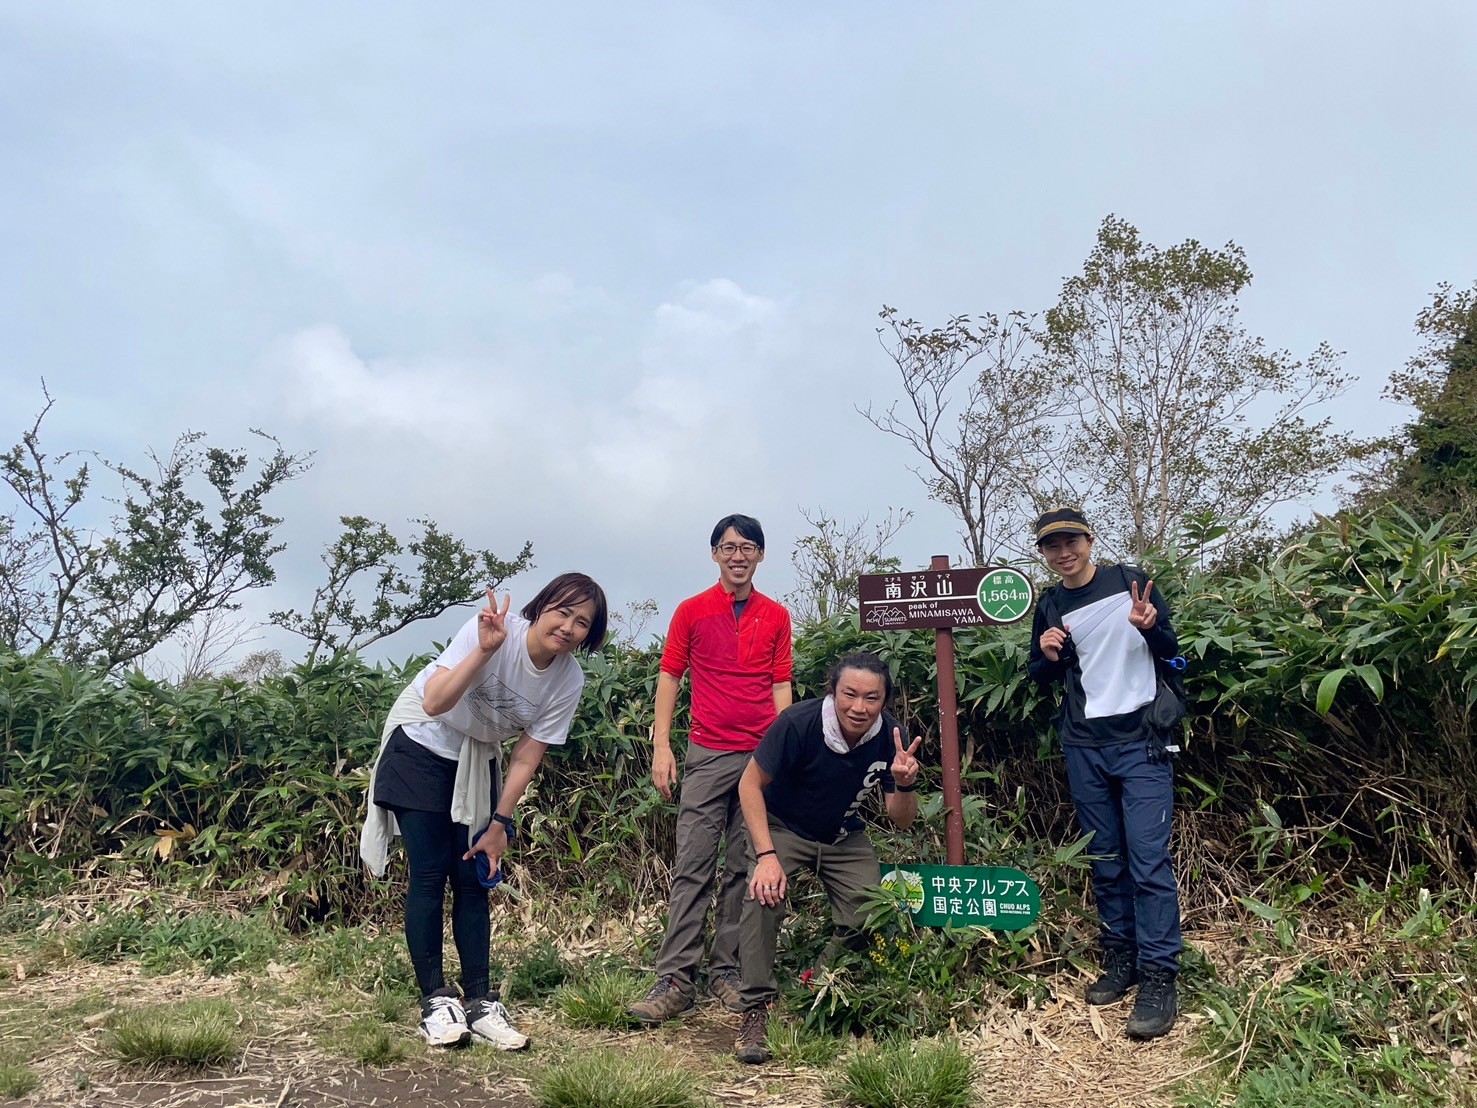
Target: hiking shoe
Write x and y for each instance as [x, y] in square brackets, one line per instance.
[725, 989]
[752, 1046]
[443, 1021]
[490, 1024]
[1120, 973]
[665, 1001]
[1156, 1006]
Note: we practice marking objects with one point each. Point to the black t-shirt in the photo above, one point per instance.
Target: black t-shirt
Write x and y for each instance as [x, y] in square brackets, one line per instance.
[816, 792]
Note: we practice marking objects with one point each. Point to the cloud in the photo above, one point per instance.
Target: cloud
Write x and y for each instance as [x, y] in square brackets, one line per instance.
[677, 414]
[324, 381]
[715, 309]
[703, 375]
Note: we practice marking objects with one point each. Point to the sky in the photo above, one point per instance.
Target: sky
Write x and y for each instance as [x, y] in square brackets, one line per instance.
[595, 275]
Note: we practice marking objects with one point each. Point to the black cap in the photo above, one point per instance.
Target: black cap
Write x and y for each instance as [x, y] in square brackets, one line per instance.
[1061, 521]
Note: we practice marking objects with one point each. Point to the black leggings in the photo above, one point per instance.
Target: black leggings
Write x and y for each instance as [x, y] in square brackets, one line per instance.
[435, 847]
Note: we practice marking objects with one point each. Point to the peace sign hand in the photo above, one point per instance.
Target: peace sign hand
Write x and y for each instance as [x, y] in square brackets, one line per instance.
[1142, 614]
[905, 767]
[492, 628]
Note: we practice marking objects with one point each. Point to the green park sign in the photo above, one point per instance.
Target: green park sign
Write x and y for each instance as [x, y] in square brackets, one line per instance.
[996, 897]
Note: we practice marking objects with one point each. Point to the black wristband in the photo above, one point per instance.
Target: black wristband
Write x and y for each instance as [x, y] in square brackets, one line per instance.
[508, 825]
[905, 788]
[766, 854]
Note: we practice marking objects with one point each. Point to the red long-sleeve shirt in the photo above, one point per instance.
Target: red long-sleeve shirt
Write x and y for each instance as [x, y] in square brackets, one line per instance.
[735, 664]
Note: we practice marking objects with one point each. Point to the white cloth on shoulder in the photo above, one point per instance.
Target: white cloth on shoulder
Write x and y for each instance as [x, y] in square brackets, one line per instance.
[471, 795]
[831, 728]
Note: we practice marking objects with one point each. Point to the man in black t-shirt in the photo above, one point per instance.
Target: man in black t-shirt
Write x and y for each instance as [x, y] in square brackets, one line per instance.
[801, 796]
[1099, 632]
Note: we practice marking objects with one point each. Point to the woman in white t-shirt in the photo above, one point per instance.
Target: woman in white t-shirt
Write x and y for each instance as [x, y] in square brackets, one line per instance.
[439, 776]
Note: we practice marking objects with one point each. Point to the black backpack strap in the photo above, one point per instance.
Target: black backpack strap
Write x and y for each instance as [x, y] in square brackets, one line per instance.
[1132, 573]
[1049, 605]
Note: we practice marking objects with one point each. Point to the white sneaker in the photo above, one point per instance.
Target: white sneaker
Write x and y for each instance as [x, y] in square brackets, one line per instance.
[490, 1024]
[443, 1021]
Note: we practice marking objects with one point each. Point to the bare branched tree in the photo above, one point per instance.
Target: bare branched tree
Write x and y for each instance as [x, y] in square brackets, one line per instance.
[829, 560]
[1139, 397]
[983, 413]
[1179, 411]
[627, 627]
[206, 647]
[258, 666]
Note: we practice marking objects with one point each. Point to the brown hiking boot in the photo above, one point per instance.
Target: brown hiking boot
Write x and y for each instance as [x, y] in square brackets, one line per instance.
[725, 989]
[665, 1001]
[752, 1046]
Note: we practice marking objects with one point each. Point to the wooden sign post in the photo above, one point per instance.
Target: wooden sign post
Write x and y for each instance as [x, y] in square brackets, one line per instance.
[944, 598]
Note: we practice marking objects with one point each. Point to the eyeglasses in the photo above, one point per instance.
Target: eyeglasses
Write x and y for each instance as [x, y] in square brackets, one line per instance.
[728, 549]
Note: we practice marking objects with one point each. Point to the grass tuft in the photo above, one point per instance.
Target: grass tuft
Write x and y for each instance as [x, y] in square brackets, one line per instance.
[392, 1006]
[374, 962]
[117, 933]
[536, 974]
[370, 1042]
[17, 1080]
[215, 942]
[190, 1035]
[599, 999]
[24, 917]
[928, 1074]
[603, 1078]
[798, 1045]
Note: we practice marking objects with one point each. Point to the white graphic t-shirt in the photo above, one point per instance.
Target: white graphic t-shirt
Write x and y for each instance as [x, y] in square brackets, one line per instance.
[510, 696]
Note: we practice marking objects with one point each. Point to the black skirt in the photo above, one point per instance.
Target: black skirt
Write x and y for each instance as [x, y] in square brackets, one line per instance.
[413, 778]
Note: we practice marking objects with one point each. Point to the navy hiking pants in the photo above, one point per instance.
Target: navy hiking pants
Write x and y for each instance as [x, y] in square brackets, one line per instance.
[1127, 802]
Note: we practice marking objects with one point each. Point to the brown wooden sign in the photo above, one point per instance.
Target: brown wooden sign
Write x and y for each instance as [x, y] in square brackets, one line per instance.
[943, 598]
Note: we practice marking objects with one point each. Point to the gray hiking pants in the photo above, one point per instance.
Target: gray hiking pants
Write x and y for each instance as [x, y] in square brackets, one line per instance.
[844, 869]
[709, 813]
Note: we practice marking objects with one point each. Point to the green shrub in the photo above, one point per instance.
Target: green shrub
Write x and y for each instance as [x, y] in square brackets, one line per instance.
[244, 781]
[189, 1035]
[916, 980]
[1356, 627]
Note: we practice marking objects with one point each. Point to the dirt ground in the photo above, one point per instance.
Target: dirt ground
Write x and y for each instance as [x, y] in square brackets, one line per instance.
[1064, 1054]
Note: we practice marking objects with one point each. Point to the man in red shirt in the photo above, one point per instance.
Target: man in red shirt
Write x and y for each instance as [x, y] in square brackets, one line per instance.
[735, 643]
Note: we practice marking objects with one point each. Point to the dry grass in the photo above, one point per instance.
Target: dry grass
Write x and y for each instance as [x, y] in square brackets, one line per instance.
[305, 1034]
[1064, 1054]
